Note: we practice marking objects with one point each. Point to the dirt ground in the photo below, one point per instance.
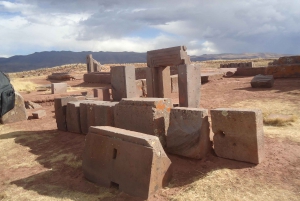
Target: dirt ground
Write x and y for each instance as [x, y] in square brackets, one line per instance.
[38, 162]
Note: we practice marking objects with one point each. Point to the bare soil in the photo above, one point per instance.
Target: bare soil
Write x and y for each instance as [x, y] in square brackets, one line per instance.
[38, 162]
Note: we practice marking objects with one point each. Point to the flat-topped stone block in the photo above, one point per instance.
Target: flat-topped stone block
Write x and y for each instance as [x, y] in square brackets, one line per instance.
[60, 106]
[134, 162]
[57, 88]
[262, 81]
[97, 77]
[104, 113]
[238, 134]
[145, 115]
[188, 133]
[123, 82]
[102, 93]
[172, 56]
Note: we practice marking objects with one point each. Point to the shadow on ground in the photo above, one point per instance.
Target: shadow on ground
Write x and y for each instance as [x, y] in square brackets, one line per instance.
[60, 152]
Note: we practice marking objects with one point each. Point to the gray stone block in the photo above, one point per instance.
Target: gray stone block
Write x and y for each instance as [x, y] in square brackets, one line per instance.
[57, 88]
[262, 81]
[188, 133]
[73, 116]
[104, 114]
[238, 134]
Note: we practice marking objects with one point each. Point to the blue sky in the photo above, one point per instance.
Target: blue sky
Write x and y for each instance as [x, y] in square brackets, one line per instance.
[205, 27]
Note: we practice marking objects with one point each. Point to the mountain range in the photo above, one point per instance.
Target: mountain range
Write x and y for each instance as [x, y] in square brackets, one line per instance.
[56, 58]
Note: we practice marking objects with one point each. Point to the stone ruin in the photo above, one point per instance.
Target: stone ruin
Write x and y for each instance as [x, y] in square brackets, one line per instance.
[127, 140]
[94, 73]
[286, 61]
[92, 65]
[238, 65]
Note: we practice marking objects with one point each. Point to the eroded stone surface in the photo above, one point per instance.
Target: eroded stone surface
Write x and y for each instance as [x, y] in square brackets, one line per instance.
[133, 161]
[145, 115]
[57, 88]
[238, 134]
[18, 113]
[188, 133]
[262, 81]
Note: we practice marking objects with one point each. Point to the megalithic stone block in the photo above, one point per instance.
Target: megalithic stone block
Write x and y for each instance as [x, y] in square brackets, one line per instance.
[102, 93]
[89, 63]
[60, 105]
[134, 162]
[57, 88]
[145, 115]
[172, 56]
[159, 82]
[189, 85]
[87, 114]
[73, 117]
[238, 134]
[104, 114]
[123, 82]
[188, 133]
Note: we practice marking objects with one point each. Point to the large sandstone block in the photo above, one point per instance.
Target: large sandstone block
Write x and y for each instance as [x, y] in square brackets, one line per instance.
[159, 82]
[134, 162]
[57, 88]
[104, 114]
[188, 133]
[123, 82]
[73, 116]
[87, 114]
[60, 105]
[189, 85]
[18, 113]
[97, 77]
[238, 134]
[262, 81]
[145, 115]
[172, 56]
[174, 83]
[102, 93]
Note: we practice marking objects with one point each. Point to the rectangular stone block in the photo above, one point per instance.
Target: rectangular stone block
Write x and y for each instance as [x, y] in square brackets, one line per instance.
[57, 88]
[188, 133]
[159, 82]
[60, 105]
[189, 85]
[104, 114]
[87, 114]
[123, 82]
[73, 116]
[139, 88]
[133, 162]
[97, 77]
[145, 115]
[39, 114]
[89, 63]
[238, 134]
[102, 93]
[172, 56]
[262, 81]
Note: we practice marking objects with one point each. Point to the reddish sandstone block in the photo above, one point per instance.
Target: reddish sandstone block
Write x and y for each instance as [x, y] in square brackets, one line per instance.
[73, 116]
[134, 162]
[97, 77]
[57, 88]
[39, 114]
[60, 105]
[145, 115]
[102, 93]
[238, 134]
[104, 114]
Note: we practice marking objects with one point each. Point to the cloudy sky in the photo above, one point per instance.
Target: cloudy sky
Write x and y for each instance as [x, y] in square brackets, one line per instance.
[204, 26]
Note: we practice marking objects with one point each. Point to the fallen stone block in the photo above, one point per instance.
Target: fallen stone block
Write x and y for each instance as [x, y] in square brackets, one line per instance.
[57, 88]
[145, 115]
[18, 113]
[238, 134]
[133, 162]
[39, 114]
[188, 133]
[262, 81]
[104, 114]
[61, 76]
[97, 77]
[123, 82]
[32, 105]
[60, 105]
[102, 93]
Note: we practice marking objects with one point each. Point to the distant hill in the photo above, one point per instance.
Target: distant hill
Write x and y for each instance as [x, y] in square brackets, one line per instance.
[57, 58]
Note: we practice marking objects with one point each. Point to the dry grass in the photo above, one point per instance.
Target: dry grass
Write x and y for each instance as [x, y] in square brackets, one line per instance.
[20, 85]
[225, 184]
[287, 126]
